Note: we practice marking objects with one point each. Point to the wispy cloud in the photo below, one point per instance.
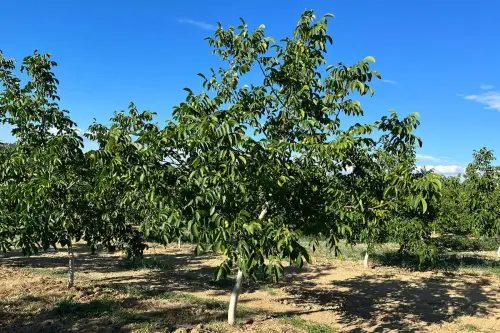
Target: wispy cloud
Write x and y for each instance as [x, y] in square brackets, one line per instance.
[55, 131]
[198, 24]
[428, 157]
[491, 99]
[390, 82]
[445, 169]
[486, 86]
[442, 159]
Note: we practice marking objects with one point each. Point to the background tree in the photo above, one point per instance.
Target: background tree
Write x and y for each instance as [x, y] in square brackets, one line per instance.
[452, 215]
[382, 183]
[40, 179]
[482, 190]
[6, 206]
[134, 188]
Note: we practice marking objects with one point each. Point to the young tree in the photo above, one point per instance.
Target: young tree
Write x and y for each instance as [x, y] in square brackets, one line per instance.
[452, 211]
[412, 222]
[267, 158]
[134, 188]
[6, 206]
[40, 179]
[382, 184]
[482, 189]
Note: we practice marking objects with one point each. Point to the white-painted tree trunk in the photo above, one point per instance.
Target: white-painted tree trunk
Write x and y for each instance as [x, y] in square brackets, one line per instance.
[233, 303]
[264, 212]
[498, 253]
[179, 244]
[71, 267]
[365, 263]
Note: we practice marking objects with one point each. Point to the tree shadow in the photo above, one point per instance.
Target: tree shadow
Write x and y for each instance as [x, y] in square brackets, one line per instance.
[102, 315]
[385, 302]
[452, 242]
[100, 262]
[378, 302]
[446, 262]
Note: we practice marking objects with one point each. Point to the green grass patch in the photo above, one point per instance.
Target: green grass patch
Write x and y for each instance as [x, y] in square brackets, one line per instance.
[146, 264]
[147, 293]
[463, 243]
[470, 328]
[307, 325]
[446, 262]
[347, 251]
[210, 304]
[55, 272]
[191, 299]
[268, 289]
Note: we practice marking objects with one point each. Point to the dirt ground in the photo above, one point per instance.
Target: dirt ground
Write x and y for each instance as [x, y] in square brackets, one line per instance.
[174, 291]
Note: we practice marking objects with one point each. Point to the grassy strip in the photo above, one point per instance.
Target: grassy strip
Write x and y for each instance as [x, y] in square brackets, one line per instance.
[307, 325]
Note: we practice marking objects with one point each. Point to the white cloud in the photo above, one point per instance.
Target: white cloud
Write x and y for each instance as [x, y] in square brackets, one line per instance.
[444, 169]
[491, 99]
[54, 131]
[442, 159]
[486, 86]
[427, 157]
[390, 81]
[199, 24]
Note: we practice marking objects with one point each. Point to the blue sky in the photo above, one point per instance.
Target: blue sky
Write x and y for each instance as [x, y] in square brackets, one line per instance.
[438, 58]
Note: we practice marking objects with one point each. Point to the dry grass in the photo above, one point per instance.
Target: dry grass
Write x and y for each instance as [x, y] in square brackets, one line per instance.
[172, 290]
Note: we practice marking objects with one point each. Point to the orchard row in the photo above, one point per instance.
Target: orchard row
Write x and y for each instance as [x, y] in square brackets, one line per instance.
[243, 169]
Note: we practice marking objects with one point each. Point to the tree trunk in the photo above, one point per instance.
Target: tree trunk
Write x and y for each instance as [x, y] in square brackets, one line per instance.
[233, 303]
[263, 212]
[179, 243]
[71, 267]
[365, 263]
[498, 253]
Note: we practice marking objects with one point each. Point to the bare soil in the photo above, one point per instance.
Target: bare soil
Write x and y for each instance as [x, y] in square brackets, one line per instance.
[174, 291]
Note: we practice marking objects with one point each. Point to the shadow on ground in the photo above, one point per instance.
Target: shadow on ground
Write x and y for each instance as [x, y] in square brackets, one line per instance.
[380, 301]
[102, 315]
[447, 262]
[386, 302]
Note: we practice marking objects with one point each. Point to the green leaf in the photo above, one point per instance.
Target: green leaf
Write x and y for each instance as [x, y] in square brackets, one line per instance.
[369, 58]
[424, 205]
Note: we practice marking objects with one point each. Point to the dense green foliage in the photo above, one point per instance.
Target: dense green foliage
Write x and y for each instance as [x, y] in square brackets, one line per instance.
[470, 203]
[245, 167]
[133, 186]
[41, 177]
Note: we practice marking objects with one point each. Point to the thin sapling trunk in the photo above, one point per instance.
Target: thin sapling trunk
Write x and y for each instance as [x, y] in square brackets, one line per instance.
[263, 212]
[233, 303]
[71, 267]
[365, 262]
